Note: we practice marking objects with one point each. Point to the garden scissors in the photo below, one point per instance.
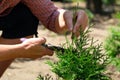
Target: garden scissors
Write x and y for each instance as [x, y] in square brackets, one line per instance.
[54, 48]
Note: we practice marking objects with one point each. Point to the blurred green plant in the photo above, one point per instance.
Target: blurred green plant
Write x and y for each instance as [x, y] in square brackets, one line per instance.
[112, 43]
[109, 2]
[112, 46]
[78, 0]
[117, 15]
[90, 14]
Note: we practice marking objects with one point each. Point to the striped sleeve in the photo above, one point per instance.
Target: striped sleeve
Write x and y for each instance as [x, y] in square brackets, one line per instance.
[5, 4]
[45, 11]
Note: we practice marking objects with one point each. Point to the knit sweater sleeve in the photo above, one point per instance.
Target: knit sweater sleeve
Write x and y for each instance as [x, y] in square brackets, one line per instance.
[5, 4]
[45, 11]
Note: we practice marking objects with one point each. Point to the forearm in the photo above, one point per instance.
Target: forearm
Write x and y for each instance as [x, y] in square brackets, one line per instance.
[29, 48]
[9, 52]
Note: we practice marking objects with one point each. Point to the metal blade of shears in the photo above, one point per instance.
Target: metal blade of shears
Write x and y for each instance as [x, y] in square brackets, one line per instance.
[52, 47]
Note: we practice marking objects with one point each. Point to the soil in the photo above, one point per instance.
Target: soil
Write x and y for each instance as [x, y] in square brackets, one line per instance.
[27, 69]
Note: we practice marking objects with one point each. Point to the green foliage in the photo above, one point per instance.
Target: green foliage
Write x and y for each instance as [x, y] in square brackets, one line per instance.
[109, 2]
[77, 0]
[112, 46]
[112, 42]
[89, 14]
[82, 60]
[116, 62]
[117, 15]
[117, 18]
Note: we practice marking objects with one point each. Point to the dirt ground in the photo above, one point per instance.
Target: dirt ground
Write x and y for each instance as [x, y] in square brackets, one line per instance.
[26, 69]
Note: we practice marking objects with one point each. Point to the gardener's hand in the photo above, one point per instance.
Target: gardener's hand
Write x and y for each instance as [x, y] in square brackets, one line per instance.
[64, 22]
[32, 48]
[81, 21]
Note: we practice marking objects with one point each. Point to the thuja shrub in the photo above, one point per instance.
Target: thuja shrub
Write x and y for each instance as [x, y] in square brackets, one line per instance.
[82, 59]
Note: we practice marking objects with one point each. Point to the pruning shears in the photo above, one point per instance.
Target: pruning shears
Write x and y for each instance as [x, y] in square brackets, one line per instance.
[52, 47]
